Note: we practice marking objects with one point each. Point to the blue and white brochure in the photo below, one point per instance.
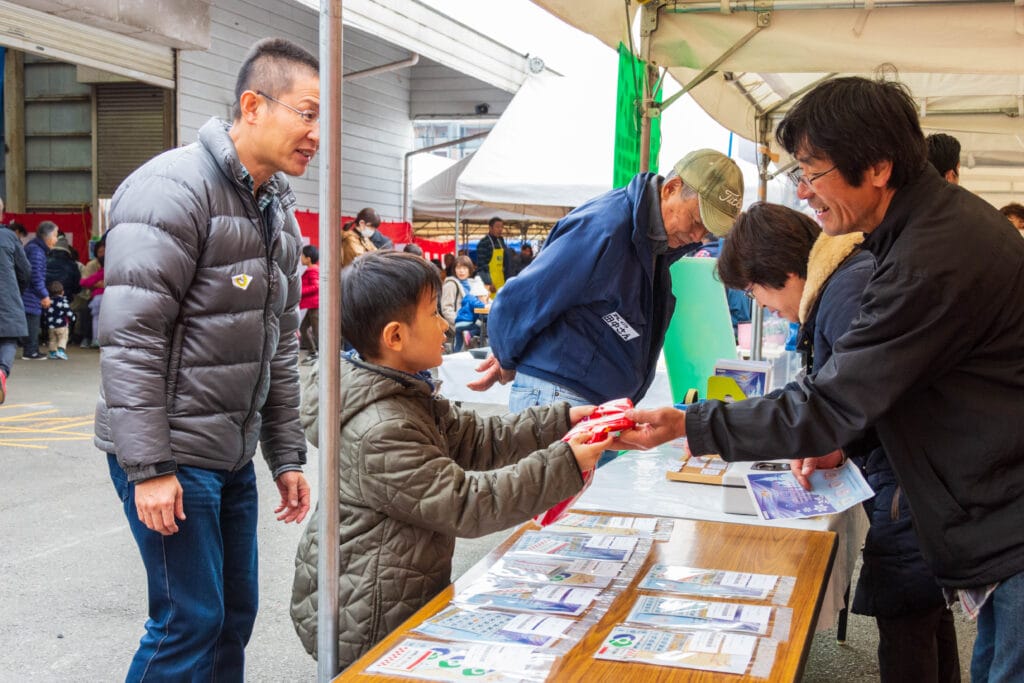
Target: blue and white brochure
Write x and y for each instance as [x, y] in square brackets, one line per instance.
[778, 495]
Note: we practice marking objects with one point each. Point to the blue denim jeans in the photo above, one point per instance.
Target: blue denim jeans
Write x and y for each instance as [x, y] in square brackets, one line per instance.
[528, 391]
[203, 582]
[8, 347]
[999, 648]
[30, 343]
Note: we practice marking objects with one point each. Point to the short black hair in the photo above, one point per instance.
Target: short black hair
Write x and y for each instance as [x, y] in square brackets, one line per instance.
[765, 245]
[18, 228]
[311, 252]
[495, 219]
[857, 122]
[1013, 209]
[369, 216]
[380, 287]
[943, 152]
[414, 249]
[270, 67]
[55, 288]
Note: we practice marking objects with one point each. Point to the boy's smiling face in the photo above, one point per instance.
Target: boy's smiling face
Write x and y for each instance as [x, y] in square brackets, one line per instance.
[418, 344]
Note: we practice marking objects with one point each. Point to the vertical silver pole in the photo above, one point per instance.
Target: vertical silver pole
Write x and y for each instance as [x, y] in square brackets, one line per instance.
[330, 336]
[756, 312]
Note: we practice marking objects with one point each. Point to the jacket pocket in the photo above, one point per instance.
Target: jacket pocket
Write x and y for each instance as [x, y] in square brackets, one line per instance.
[174, 366]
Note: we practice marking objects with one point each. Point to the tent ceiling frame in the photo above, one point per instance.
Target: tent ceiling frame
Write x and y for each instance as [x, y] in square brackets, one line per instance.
[762, 6]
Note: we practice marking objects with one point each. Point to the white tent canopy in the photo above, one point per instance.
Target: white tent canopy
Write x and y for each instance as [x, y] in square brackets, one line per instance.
[553, 149]
[962, 62]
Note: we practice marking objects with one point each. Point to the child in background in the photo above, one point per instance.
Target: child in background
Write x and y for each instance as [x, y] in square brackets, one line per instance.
[94, 283]
[57, 318]
[310, 301]
[417, 471]
[459, 296]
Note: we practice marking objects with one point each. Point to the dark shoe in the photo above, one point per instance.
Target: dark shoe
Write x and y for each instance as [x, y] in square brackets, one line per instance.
[34, 356]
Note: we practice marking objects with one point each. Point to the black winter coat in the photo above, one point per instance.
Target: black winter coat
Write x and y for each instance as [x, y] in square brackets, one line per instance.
[14, 277]
[894, 578]
[934, 361]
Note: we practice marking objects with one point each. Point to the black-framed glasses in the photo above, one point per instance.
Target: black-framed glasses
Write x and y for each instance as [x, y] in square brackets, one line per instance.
[749, 293]
[309, 116]
[797, 176]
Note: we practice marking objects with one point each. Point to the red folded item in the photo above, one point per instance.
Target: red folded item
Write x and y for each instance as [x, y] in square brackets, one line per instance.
[607, 417]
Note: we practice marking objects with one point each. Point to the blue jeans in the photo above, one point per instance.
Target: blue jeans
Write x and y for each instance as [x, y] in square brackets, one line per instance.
[528, 391]
[8, 347]
[30, 344]
[471, 327]
[203, 582]
[999, 648]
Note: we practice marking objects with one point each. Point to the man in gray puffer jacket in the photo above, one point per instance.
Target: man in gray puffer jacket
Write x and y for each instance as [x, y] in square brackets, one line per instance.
[199, 358]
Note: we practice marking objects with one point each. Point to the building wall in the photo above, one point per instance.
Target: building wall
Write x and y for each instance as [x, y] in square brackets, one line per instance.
[377, 127]
[441, 92]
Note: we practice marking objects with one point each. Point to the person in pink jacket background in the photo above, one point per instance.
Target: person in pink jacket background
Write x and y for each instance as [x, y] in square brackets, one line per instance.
[310, 301]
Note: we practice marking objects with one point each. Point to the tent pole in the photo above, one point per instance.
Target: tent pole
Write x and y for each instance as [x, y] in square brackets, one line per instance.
[757, 312]
[458, 207]
[328, 560]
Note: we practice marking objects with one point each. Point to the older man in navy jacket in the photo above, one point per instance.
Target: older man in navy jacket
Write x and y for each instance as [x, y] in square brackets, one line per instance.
[586, 322]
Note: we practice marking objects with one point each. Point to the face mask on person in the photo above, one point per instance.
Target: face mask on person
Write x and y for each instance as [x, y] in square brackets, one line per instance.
[366, 232]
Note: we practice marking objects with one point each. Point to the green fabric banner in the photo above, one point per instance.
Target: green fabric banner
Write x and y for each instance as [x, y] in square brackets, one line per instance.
[632, 76]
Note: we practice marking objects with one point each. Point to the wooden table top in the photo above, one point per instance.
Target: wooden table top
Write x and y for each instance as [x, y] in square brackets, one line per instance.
[807, 555]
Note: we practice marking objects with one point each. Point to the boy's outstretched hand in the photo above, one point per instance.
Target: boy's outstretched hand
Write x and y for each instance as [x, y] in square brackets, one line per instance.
[577, 413]
[587, 454]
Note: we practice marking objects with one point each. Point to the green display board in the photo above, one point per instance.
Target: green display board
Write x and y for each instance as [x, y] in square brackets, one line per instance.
[700, 331]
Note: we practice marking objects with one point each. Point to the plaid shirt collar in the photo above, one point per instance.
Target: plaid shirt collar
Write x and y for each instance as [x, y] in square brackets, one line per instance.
[265, 195]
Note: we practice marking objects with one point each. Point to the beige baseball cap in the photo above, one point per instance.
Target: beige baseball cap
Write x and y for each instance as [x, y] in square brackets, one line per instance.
[719, 185]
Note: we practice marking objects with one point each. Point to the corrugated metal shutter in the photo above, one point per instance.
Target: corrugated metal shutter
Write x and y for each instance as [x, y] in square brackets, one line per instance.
[45, 34]
[133, 124]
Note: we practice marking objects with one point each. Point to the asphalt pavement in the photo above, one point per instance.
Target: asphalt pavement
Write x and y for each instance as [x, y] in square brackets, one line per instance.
[72, 586]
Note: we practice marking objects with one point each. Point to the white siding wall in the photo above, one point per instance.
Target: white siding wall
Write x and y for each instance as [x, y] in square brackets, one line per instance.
[377, 128]
[439, 91]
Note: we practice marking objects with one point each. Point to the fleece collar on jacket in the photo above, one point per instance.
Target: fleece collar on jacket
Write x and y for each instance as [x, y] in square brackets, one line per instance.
[826, 256]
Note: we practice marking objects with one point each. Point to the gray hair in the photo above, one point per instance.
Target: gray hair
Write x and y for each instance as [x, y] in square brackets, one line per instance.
[45, 229]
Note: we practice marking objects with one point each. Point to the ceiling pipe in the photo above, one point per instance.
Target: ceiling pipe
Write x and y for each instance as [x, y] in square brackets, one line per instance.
[412, 60]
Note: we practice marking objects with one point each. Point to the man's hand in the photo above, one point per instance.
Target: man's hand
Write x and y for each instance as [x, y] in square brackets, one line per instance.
[577, 413]
[294, 497]
[158, 501]
[490, 372]
[802, 468]
[653, 428]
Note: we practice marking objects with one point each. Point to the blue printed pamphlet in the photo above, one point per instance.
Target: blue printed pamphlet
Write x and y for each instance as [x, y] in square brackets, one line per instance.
[778, 495]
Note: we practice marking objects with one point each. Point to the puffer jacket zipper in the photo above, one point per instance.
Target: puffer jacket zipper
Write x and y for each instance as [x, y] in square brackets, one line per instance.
[265, 230]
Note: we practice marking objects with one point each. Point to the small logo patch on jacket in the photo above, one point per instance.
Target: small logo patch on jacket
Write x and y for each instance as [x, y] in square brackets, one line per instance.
[621, 327]
[241, 281]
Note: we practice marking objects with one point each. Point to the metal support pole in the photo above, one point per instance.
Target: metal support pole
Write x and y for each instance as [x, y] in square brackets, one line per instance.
[757, 312]
[328, 559]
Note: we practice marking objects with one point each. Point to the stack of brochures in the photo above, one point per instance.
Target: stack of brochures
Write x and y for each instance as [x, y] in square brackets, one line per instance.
[533, 605]
[689, 617]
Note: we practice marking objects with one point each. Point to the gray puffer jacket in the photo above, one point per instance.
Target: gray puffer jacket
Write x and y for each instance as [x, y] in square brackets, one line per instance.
[199, 317]
[416, 471]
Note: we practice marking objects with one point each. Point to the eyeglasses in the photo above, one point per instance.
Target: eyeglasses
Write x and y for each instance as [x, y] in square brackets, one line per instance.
[749, 293]
[797, 176]
[309, 116]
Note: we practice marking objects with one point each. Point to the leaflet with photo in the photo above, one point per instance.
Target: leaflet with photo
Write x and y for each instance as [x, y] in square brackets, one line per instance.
[527, 597]
[651, 610]
[557, 570]
[434, 661]
[731, 653]
[708, 582]
[606, 524]
[488, 626]
[577, 546]
[778, 495]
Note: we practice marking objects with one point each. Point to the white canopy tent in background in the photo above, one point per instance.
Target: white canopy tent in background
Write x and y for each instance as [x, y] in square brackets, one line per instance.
[553, 149]
[746, 63]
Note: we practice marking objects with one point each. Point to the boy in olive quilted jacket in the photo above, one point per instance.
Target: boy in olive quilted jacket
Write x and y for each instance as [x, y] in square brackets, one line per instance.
[416, 470]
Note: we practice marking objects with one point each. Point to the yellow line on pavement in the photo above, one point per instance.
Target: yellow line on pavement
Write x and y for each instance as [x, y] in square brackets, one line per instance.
[16, 418]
